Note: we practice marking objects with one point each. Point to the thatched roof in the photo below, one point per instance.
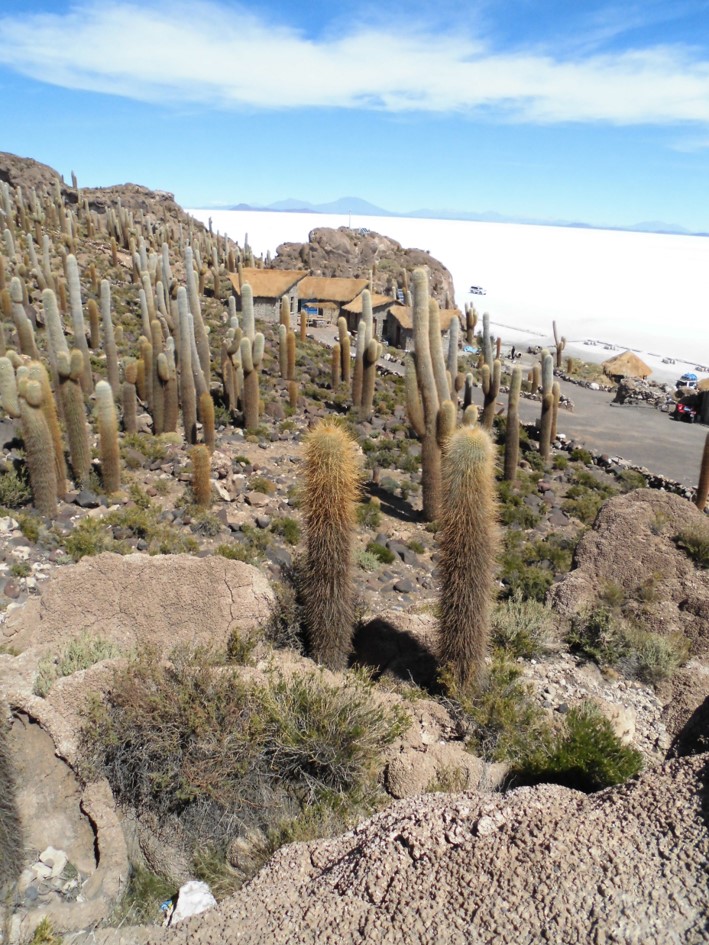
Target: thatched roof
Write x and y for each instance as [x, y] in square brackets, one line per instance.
[267, 283]
[403, 315]
[330, 289]
[626, 364]
[378, 301]
[704, 384]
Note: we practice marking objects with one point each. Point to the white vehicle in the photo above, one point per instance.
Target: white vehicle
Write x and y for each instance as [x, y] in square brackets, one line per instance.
[476, 290]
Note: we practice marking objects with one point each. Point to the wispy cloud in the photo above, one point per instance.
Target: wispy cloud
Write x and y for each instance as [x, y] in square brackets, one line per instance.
[223, 57]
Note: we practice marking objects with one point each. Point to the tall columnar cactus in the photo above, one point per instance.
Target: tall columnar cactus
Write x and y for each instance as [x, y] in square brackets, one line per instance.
[555, 398]
[283, 350]
[38, 372]
[344, 339]
[109, 340]
[39, 449]
[200, 332]
[491, 390]
[303, 325]
[335, 366]
[8, 388]
[453, 336]
[201, 469]
[512, 430]
[290, 350]
[468, 539]
[369, 378]
[251, 355]
[424, 405]
[129, 396]
[560, 345]
[146, 356]
[547, 407]
[94, 323]
[536, 379]
[471, 320]
[188, 396]
[23, 326]
[12, 849]
[487, 342]
[331, 489]
[70, 370]
[158, 384]
[293, 394]
[172, 405]
[248, 322]
[206, 414]
[284, 314]
[436, 348]
[358, 373]
[703, 487]
[109, 452]
[77, 319]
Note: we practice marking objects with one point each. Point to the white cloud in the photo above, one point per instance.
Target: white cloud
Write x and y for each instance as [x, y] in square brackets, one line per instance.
[224, 57]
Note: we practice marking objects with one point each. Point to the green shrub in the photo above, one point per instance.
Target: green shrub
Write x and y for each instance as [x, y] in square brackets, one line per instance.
[369, 514]
[586, 755]
[227, 758]
[15, 489]
[523, 628]
[261, 484]
[288, 528]
[380, 552]
[140, 905]
[583, 504]
[610, 641]
[20, 569]
[695, 544]
[91, 536]
[79, 654]
[367, 561]
[416, 547]
[580, 455]
[630, 479]
[561, 461]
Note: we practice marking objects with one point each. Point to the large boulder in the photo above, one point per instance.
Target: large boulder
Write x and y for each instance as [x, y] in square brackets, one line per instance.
[631, 546]
[539, 864]
[135, 600]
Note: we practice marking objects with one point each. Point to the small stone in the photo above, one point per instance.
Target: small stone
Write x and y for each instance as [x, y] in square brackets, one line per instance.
[12, 590]
[55, 859]
[263, 521]
[257, 499]
[87, 500]
[404, 586]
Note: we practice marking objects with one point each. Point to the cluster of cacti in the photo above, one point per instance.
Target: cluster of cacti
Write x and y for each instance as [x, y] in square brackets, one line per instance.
[468, 543]
[427, 389]
[331, 489]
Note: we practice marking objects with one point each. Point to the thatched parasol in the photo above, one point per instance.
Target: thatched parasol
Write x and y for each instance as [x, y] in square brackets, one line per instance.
[626, 364]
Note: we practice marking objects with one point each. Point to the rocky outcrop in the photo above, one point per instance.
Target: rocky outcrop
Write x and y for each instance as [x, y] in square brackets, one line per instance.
[540, 864]
[352, 253]
[138, 600]
[631, 546]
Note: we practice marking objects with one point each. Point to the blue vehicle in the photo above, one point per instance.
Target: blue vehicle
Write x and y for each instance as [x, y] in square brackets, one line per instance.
[688, 380]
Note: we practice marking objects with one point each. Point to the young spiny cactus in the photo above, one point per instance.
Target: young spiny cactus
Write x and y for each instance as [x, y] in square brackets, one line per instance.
[11, 839]
[471, 319]
[468, 539]
[512, 431]
[206, 414]
[201, 468]
[331, 489]
[109, 452]
[560, 345]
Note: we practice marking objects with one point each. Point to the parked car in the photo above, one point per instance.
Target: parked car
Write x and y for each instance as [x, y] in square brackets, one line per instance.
[684, 412]
[688, 380]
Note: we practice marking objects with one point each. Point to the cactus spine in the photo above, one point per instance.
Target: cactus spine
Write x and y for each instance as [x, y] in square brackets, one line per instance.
[331, 490]
[109, 452]
[512, 432]
[468, 541]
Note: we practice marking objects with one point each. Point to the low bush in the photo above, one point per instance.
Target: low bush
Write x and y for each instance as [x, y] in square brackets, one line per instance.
[227, 759]
[585, 754]
[610, 640]
[369, 514]
[695, 544]
[380, 552]
[79, 654]
[523, 628]
[15, 489]
[288, 528]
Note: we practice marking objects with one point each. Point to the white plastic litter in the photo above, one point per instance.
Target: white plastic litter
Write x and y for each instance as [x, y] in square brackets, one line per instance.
[194, 897]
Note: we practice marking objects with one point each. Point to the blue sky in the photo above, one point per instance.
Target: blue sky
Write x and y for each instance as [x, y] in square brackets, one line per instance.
[551, 110]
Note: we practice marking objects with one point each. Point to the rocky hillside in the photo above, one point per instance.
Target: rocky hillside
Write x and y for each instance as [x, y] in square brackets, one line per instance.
[166, 712]
[354, 252]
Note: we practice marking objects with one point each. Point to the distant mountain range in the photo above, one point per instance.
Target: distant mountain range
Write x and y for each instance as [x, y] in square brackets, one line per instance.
[355, 206]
